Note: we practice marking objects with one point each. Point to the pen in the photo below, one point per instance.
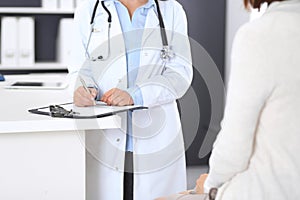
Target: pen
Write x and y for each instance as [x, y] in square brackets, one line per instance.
[85, 87]
[100, 103]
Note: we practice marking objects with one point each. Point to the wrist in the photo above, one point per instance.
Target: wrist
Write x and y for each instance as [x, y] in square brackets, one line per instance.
[136, 95]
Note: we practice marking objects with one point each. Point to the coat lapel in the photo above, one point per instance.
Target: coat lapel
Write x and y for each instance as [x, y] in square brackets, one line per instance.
[152, 23]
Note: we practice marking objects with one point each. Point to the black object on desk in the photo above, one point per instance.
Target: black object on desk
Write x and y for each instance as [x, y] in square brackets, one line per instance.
[2, 77]
[33, 84]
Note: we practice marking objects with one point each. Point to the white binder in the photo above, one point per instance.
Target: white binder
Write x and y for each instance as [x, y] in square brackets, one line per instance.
[9, 41]
[64, 41]
[50, 4]
[26, 41]
[66, 4]
[78, 2]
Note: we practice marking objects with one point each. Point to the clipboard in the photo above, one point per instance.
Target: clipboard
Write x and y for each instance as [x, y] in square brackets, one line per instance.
[69, 110]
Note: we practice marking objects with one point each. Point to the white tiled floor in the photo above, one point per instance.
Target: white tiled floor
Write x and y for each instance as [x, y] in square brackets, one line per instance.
[193, 172]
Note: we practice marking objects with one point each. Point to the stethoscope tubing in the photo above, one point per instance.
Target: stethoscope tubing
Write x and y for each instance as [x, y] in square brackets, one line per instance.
[162, 26]
[165, 54]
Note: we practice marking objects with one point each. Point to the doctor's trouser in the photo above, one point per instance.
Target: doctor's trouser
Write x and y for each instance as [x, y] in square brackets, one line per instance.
[128, 184]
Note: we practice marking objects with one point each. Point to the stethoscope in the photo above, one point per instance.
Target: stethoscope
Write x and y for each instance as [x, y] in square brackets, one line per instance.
[166, 54]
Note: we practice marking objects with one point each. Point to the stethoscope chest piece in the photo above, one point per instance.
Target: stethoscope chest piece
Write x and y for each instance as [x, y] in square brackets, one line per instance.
[166, 54]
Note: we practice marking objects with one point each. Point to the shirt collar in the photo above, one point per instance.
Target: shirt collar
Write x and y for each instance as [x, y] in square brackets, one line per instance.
[144, 8]
[148, 5]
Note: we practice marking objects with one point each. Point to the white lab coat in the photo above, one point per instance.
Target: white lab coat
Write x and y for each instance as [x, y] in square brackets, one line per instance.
[159, 160]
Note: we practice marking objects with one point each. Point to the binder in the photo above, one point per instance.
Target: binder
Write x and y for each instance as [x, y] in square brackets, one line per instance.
[78, 2]
[9, 41]
[66, 4]
[64, 41]
[69, 110]
[50, 4]
[26, 41]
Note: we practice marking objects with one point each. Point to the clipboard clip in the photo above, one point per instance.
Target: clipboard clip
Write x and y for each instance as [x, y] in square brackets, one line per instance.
[60, 112]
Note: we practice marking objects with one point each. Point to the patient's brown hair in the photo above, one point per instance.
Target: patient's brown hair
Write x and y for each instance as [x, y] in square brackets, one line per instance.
[257, 3]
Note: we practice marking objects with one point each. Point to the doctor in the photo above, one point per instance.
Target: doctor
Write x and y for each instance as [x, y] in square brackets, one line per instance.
[126, 57]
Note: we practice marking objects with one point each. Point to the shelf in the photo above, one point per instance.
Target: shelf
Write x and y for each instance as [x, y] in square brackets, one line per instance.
[33, 10]
[37, 66]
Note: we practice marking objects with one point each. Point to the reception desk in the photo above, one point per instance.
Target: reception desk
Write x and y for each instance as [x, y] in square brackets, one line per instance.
[42, 158]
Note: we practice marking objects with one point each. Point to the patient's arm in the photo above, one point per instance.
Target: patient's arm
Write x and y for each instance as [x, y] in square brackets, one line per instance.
[199, 189]
[251, 83]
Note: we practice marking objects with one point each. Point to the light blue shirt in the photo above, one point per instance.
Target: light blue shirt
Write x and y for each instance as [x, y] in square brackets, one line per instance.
[132, 32]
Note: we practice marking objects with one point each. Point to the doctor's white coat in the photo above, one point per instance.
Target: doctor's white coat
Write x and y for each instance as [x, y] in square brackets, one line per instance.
[159, 160]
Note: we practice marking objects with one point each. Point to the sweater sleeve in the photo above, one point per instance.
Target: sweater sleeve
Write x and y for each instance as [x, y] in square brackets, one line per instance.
[250, 85]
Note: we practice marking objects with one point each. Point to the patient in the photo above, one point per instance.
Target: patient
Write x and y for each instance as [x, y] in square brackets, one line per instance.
[256, 154]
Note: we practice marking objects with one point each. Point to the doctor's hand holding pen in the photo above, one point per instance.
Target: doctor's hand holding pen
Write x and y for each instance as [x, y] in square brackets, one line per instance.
[115, 97]
[85, 96]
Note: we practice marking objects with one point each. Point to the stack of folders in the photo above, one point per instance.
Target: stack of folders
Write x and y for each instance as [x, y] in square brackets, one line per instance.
[67, 5]
[17, 41]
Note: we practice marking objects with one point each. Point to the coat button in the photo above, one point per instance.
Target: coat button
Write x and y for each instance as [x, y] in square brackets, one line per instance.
[117, 169]
[118, 140]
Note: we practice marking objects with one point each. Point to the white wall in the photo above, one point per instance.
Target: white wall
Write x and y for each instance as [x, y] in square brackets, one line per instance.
[236, 15]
